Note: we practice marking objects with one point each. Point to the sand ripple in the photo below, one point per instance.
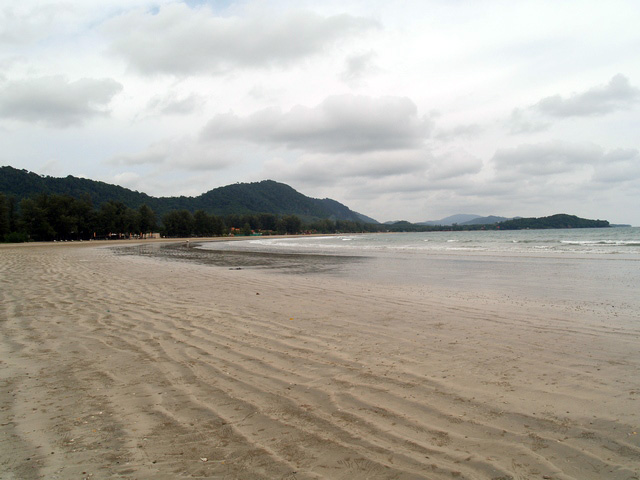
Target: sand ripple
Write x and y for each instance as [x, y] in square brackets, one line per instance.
[128, 367]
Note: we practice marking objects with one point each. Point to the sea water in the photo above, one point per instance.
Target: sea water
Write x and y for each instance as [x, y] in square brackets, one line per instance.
[587, 241]
[588, 266]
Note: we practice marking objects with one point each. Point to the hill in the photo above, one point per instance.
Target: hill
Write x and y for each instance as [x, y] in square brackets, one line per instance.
[453, 219]
[560, 220]
[491, 219]
[241, 198]
[23, 184]
[554, 221]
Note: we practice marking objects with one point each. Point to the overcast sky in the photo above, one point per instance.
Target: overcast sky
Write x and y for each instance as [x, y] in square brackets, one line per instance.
[409, 110]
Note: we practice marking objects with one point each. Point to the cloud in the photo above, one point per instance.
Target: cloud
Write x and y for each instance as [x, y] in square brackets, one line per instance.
[20, 25]
[172, 104]
[464, 131]
[357, 66]
[127, 179]
[453, 165]
[544, 159]
[618, 166]
[55, 101]
[328, 169]
[525, 121]
[403, 170]
[565, 171]
[618, 94]
[180, 40]
[184, 153]
[342, 123]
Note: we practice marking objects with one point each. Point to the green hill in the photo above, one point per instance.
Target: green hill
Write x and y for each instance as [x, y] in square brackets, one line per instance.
[241, 198]
[560, 220]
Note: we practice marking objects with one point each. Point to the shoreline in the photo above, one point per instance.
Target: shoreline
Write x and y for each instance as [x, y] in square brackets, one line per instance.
[177, 240]
[490, 254]
[131, 367]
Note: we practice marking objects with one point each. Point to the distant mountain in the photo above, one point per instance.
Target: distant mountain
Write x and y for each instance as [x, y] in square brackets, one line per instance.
[459, 219]
[561, 220]
[393, 222]
[518, 223]
[491, 219]
[465, 219]
[241, 198]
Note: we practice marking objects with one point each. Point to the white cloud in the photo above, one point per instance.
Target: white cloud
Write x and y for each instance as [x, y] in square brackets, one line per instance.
[180, 40]
[618, 94]
[172, 104]
[406, 176]
[55, 101]
[466, 130]
[454, 164]
[328, 169]
[525, 121]
[184, 153]
[544, 159]
[127, 179]
[283, 69]
[343, 123]
[357, 66]
[23, 24]
[619, 166]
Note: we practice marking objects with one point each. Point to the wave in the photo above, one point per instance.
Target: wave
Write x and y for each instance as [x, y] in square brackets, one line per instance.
[613, 243]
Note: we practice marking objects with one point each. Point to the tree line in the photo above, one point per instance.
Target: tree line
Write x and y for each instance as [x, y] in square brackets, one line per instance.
[48, 217]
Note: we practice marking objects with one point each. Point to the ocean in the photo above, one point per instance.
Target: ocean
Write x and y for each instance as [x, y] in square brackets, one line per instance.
[590, 267]
[595, 267]
[587, 241]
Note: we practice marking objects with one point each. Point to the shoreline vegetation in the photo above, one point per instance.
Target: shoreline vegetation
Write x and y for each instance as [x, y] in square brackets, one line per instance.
[48, 217]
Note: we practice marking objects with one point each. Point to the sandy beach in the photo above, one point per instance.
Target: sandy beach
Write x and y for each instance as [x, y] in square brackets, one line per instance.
[135, 367]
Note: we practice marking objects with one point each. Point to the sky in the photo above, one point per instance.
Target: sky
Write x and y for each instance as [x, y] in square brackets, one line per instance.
[404, 110]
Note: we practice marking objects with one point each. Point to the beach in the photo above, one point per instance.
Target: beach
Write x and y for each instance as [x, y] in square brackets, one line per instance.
[139, 367]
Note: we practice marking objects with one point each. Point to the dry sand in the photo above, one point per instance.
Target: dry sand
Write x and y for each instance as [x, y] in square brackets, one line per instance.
[130, 367]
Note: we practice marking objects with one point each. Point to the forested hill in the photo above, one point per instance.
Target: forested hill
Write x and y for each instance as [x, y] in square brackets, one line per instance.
[241, 198]
[22, 184]
[554, 221]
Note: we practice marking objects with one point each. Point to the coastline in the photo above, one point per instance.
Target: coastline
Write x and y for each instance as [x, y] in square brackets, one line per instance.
[124, 242]
[131, 367]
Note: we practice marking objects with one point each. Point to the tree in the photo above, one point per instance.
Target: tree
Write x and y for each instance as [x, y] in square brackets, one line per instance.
[246, 229]
[34, 218]
[146, 219]
[5, 223]
[217, 225]
[86, 214]
[203, 224]
[13, 215]
[62, 215]
[267, 221]
[178, 223]
[233, 221]
[291, 224]
[323, 226]
[117, 218]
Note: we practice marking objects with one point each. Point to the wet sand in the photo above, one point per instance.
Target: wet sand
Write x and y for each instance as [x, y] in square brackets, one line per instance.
[135, 367]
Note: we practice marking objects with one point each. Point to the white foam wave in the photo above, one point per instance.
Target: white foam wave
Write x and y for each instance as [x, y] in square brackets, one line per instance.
[613, 243]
